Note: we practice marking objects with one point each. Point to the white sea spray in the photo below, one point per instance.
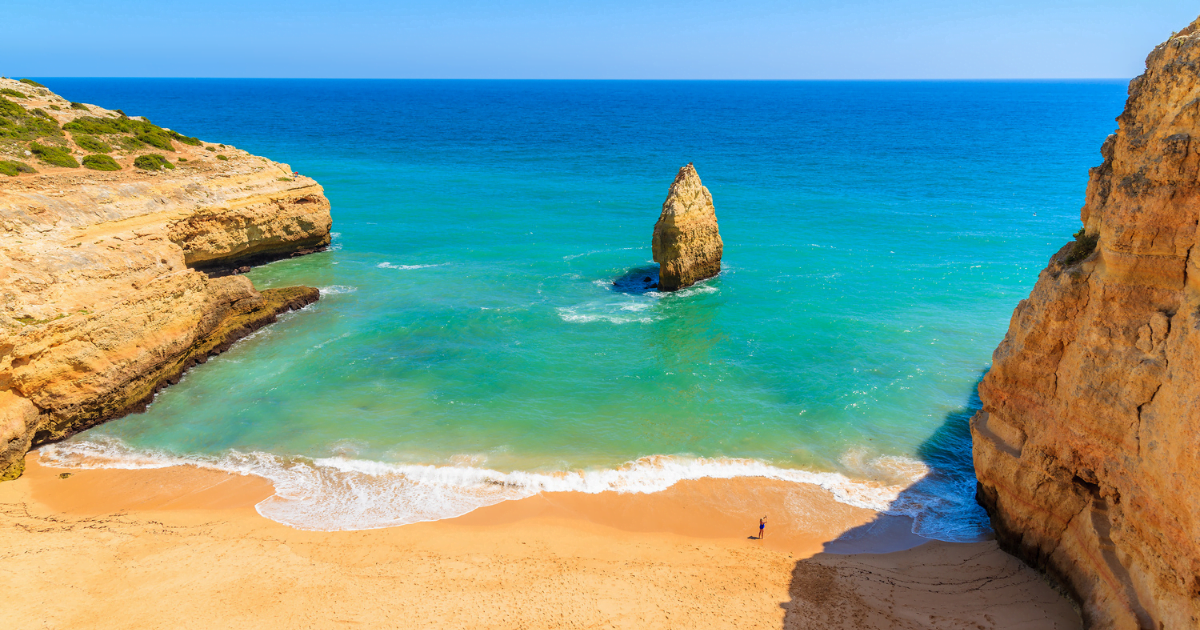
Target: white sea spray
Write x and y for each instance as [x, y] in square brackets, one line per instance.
[388, 265]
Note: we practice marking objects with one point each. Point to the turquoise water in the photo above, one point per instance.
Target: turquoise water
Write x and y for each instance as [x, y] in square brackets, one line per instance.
[471, 345]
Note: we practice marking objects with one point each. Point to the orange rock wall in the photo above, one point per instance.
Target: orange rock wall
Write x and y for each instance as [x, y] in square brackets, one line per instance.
[1087, 448]
[101, 302]
[687, 244]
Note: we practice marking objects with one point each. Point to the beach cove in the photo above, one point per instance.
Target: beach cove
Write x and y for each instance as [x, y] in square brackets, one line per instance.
[477, 339]
[488, 358]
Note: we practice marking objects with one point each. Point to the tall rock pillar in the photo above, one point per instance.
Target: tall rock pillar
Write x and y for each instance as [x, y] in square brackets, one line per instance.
[687, 245]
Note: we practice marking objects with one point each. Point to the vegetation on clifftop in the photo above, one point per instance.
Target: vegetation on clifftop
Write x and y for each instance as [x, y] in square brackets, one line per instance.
[91, 144]
[13, 168]
[33, 131]
[152, 162]
[144, 131]
[18, 123]
[100, 163]
[57, 156]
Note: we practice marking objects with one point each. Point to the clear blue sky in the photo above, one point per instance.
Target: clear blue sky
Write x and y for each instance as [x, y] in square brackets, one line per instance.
[598, 39]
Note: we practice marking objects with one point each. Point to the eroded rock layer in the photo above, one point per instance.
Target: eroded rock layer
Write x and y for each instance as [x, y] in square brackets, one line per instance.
[1087, 448]
[101, 299]
[687, 244]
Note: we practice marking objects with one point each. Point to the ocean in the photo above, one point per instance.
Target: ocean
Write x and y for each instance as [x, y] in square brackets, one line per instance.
[483, 334]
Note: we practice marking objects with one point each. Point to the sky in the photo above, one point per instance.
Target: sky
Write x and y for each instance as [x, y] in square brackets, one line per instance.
[596, 39]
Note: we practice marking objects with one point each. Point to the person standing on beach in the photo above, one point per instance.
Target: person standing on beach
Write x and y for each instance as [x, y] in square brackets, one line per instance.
[762, 527]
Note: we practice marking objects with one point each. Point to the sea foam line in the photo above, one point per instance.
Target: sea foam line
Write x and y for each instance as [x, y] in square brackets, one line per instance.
[343, 493]
[336, 289]
[388, 265]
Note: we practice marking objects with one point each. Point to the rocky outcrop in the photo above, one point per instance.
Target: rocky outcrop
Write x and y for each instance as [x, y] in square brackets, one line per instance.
[1087, 448]
[687, 244]
[102, 297]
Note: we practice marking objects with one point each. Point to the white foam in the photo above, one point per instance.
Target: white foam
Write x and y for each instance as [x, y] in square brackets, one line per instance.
[337, 289]
[598, 251]
[346, 493]
[613, 314]
[388, 265]
[696, 289]
[329, 341]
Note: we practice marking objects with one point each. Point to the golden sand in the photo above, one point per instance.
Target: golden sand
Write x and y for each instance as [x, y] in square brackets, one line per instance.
[183, 547]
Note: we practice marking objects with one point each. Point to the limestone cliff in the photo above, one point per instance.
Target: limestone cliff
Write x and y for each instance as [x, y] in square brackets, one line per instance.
[101, 297]
[687, 244]
[1087, 448]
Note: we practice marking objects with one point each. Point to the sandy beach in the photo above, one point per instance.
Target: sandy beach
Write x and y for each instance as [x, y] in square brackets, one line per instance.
[183, 547]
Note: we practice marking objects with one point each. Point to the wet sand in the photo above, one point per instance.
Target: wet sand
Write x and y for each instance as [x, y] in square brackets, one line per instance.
[183, 547]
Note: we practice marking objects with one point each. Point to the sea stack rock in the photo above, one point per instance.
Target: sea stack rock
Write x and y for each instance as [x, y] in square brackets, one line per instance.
[687, 245]
[1087, 448]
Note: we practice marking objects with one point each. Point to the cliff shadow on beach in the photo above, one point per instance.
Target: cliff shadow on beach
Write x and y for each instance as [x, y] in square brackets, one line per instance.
[881, 574]
[947, 453]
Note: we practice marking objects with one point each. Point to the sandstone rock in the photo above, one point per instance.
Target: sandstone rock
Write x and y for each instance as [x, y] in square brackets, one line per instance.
[687, 245]
[101, 298]
[1087, 448]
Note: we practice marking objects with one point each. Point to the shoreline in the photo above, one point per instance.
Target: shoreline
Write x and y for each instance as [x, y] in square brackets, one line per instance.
[347, 494]
[186, 544]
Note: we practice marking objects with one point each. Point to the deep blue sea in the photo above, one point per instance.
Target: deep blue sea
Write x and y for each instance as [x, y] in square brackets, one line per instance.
[470, 345]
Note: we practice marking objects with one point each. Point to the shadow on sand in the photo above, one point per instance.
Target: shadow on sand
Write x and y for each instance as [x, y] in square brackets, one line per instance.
[940, 585]
[947, 453]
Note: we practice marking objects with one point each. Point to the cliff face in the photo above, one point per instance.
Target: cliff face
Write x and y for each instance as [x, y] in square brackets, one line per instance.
[101, 299]
[687, 245]
[1087, 448]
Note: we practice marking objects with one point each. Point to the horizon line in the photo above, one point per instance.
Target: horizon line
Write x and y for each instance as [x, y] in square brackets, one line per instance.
[875, 80]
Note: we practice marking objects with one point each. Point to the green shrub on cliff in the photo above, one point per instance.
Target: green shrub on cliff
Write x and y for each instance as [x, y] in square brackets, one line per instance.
[57, 156]
[188, 140]
[18, 123]
[1083, 247]
[13, 93]
[222, 158]
[10, 109]
[32, 82]
[99, 126]
[100, 163]
[129, 143]
[152, 162]
[75, 105]
[145, 131]
[91, 144]
[157, 139]
[13, 168]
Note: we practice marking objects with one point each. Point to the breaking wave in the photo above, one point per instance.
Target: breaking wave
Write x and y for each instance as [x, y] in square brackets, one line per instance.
[344, 493]
[337, 289]
[388, 265]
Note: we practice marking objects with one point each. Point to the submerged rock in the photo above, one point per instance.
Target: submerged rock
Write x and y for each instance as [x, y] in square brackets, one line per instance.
[687, 244]
[1087, 449]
